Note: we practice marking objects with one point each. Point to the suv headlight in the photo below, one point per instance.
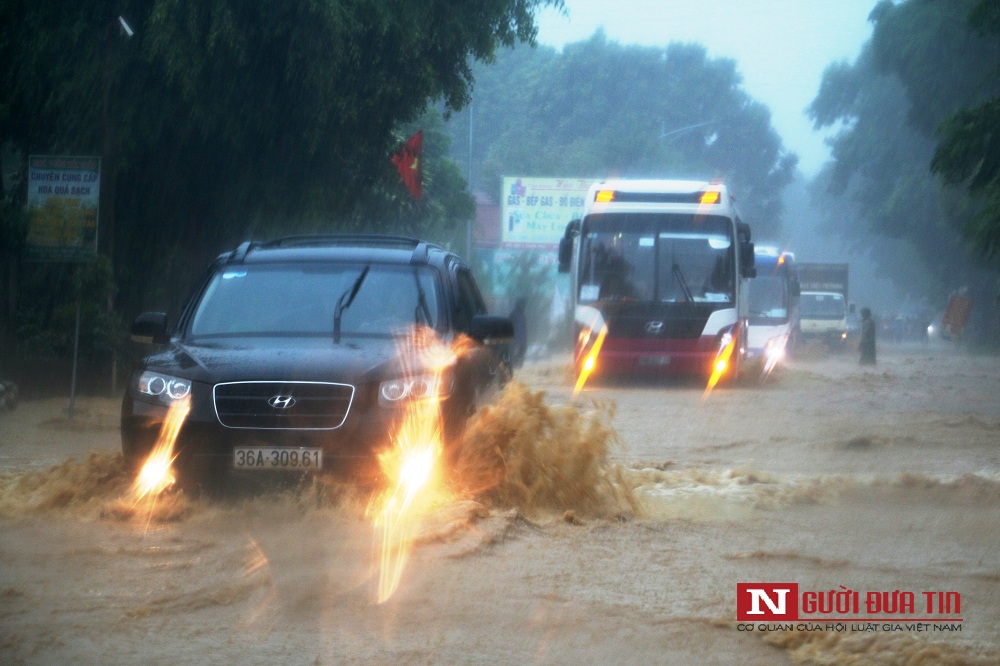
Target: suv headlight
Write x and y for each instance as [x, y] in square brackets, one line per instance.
[394, 392]
[163, 388]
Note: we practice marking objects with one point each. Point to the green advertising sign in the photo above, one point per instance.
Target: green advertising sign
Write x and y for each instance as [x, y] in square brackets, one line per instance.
[535, 211]
[63, 196]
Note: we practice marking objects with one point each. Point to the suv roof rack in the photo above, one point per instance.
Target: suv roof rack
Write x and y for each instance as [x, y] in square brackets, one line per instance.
[238, 255]
[373, 240]
[420, 247]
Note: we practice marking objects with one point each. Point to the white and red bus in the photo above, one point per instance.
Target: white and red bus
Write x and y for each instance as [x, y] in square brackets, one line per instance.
[659, 274]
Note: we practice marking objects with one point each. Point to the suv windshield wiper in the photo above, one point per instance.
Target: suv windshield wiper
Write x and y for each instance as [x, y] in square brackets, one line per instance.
[422, 307]
[343, 304]
[683, 281]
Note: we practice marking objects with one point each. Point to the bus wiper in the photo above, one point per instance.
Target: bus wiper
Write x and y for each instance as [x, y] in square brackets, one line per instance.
[343, 304]
[684, 285]
[422, 307]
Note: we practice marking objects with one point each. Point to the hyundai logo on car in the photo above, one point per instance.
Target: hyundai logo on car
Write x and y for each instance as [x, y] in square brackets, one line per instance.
[281, 401]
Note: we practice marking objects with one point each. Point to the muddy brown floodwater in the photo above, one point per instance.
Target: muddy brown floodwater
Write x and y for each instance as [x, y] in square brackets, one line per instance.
[615, 530]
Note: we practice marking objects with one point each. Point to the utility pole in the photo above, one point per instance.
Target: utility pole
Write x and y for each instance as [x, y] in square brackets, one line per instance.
[106, 234]
[470, 225]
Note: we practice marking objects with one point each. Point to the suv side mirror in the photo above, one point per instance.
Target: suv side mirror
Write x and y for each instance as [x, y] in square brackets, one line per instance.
[492, 330]
[150, 328]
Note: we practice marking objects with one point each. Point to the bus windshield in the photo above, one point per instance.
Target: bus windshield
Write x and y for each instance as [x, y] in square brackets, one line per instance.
[670, 258]
[768, 300]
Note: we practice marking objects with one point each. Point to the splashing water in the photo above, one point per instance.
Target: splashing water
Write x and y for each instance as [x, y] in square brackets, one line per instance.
[412, 464]
[74, 484]
[541, 459]
[156, 474]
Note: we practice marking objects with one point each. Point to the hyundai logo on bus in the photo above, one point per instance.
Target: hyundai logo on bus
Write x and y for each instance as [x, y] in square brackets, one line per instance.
[281, 401]
[654, 327]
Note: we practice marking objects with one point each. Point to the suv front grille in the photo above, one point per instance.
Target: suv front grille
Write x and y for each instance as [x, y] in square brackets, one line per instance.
[283, 405]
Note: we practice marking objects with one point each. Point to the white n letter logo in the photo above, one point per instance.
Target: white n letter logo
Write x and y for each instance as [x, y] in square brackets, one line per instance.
[758, 595]
[780, 601]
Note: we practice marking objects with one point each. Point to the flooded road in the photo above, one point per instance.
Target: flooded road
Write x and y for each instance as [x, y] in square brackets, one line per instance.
[612, 531]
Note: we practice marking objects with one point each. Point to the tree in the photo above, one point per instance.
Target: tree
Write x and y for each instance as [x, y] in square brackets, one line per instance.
[600, 108]
[955, 97]
[922, 64]
[222, 118]
[969, 150]
[446, 205]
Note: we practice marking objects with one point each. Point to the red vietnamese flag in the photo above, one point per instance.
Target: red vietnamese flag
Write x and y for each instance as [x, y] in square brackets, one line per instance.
[407, 161]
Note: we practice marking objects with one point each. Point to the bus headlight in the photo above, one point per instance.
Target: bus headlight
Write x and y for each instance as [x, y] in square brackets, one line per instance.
[724, 337]
[775, 348]
[774, 352]
[725, 341]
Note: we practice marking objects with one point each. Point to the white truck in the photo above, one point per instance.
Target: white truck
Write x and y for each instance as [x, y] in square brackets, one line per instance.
[823, 303]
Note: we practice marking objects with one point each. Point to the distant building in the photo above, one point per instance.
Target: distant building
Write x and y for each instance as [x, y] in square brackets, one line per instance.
[486, 233]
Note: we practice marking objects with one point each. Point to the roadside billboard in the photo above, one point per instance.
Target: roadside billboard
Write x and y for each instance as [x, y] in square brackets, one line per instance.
[63, 195]
[535, 211]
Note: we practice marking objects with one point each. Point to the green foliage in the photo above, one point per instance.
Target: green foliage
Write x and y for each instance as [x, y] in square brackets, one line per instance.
[930, 47]
[838, 89]
[969, 150]
[922, 64]
[602, 109]
[509, 277]
[47, 312]
[955, 97]
[221, 119]
[446, 205]
[527, 278]
[13, 225]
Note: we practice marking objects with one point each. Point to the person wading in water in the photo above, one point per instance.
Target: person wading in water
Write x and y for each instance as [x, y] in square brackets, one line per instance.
[867, 344]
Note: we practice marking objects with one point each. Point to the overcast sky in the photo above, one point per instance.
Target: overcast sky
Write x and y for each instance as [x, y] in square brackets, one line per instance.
[781, 47]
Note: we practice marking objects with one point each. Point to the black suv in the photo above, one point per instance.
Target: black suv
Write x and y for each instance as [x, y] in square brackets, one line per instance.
[290, 354]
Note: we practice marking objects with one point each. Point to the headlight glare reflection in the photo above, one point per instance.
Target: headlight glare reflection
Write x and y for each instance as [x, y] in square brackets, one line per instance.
[423, 387]
[164, 387]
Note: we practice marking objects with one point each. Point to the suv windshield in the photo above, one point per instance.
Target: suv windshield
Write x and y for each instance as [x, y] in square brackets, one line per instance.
[301, 299]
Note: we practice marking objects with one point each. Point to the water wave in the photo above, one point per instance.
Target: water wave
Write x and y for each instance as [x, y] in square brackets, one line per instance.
[867, 649]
